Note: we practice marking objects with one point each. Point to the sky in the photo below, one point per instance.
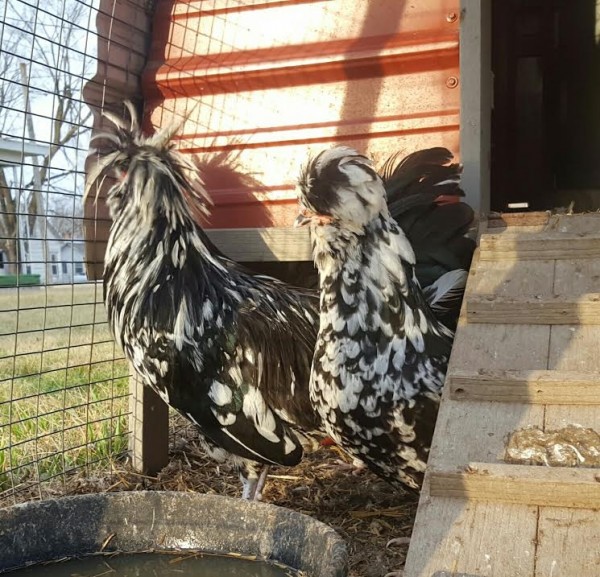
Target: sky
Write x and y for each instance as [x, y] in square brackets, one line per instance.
[35, 32]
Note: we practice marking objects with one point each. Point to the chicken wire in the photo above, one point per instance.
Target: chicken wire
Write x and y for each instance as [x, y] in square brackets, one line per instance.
[63, 383]
[54, 341]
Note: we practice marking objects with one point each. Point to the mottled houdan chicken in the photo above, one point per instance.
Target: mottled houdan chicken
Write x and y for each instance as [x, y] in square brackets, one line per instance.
[229, 349]
[381, 353]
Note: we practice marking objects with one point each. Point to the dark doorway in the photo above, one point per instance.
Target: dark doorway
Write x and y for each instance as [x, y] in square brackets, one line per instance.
[546, 114]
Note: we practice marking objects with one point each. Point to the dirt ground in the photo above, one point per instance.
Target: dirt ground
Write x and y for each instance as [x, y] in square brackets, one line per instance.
[366, 511]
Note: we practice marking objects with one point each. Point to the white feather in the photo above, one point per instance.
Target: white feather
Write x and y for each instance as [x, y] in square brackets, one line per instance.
[220, 394]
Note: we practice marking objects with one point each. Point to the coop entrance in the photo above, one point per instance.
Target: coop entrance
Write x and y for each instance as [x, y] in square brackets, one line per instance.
[545, 116]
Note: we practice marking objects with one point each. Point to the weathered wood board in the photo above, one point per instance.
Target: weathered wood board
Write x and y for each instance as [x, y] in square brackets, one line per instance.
[536, 246]
[511, 372]
[263, 244]
[565, 487]
[475, 431]
[569, 540]
[551, 387]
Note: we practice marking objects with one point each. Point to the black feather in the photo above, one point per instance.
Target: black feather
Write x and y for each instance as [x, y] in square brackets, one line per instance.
[228, 349]
[436, 231]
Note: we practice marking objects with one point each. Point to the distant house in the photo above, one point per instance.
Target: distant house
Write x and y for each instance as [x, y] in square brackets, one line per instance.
[61, 263]
[56, 259]
[13, 154]
[66, 258]
[43, 250]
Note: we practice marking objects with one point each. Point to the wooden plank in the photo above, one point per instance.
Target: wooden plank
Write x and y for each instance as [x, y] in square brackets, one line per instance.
[568, 543]
[536, 310]
[148, 427]
[498, 277]
[520, 484]
[263, 244]
[588, 223]
[574, 349]
[278, 244]
[576, 276]
[506, 219]
[539, 246]
[562, 531]
[536, 387]
[469, 537]
[285, 244]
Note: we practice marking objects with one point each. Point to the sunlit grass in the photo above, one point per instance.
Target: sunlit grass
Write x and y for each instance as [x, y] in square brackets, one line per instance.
[63, 384]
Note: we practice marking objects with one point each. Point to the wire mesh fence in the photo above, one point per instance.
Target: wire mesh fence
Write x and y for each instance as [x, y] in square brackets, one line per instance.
[323, 73]
[63, 383]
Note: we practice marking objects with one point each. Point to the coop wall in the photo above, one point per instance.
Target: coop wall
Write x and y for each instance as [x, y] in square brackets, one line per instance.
[381, 76]
[256, 101]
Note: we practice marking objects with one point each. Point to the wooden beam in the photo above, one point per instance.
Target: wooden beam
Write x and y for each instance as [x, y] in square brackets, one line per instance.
[506, 219]
[148, 427]
[531, 310]
[263, 244]
[476, 95]
[533, 387]
[520, 484]
[541, 246]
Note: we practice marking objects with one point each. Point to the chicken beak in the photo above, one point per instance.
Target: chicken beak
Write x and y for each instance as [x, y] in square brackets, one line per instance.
[301, 220]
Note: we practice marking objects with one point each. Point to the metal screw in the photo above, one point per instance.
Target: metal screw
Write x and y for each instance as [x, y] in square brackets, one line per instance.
[451, 16]
[452, 82]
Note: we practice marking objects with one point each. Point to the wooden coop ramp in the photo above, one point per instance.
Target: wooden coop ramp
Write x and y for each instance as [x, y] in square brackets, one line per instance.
[526, 354]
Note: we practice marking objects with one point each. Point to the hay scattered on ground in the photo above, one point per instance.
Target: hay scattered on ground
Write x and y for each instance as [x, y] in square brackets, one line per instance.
[366, 511]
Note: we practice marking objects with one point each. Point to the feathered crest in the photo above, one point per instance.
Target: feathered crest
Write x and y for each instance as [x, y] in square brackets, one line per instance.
[324, 178]
[127, 144]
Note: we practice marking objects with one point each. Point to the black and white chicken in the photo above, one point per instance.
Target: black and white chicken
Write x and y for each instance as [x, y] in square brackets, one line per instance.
[229, 349]
[381, 353]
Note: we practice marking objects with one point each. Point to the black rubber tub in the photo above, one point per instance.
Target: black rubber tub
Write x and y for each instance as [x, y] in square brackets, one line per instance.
[166, 521]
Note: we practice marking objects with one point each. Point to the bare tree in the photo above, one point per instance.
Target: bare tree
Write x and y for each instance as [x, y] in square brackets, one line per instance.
[8, 224]
[52, 41]
[66, 219]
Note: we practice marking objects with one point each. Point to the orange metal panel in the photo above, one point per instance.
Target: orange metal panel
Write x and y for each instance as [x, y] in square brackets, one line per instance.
[264, 83]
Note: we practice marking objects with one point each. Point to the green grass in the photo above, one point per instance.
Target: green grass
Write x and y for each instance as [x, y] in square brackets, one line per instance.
[63, 384]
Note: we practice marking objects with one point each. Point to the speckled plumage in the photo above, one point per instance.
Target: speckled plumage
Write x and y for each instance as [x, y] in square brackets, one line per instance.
[381, 354]
[229, 349]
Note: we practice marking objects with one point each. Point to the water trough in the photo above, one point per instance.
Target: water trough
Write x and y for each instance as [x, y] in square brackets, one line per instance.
[167, 521]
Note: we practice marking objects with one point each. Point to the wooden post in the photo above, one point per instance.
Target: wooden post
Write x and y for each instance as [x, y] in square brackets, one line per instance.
[476, 101]
[540, 246]
[538, 387]
[149, 428]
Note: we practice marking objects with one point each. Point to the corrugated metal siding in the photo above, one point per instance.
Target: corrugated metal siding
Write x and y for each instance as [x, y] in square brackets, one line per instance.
[275, 80]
